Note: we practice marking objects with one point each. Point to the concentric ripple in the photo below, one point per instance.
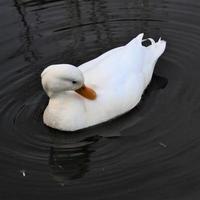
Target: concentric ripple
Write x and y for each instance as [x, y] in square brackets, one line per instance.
[152, 152]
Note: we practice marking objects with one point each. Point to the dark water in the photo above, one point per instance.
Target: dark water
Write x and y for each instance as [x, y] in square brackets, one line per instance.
[150, 153]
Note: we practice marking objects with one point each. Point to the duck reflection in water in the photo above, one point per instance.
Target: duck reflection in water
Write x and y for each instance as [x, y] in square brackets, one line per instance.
[70, 163]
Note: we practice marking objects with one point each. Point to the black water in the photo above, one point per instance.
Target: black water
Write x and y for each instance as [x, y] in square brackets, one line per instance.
[150, 153]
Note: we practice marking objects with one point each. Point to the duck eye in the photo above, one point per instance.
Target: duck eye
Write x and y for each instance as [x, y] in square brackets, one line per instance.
[74, 82]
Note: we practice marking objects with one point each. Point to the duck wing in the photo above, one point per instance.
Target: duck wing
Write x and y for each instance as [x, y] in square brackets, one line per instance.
[119, 62]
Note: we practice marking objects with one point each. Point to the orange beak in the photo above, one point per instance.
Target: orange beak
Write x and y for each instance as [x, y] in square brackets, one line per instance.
[87, 92]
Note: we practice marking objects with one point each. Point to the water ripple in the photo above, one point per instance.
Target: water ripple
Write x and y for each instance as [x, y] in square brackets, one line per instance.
[152, 152]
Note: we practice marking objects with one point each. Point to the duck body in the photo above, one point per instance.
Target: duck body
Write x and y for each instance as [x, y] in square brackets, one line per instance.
[119, 78]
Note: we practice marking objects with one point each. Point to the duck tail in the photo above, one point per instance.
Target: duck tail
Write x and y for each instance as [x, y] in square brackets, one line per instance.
[146, 57]
[136, 40]
[153, 52]
[156, 48]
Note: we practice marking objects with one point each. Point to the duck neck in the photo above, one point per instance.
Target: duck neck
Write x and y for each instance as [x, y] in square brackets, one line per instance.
[61, 94]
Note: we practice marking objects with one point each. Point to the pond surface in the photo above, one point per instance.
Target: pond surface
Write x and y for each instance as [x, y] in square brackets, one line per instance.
[150, 153]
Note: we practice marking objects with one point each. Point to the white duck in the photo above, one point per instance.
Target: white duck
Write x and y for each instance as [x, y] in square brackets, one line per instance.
[100, 89]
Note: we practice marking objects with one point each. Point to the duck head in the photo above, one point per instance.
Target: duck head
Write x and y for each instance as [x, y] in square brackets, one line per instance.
[57, 79]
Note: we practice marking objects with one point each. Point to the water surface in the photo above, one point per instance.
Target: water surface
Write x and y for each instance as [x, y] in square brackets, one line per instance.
[152, 152]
